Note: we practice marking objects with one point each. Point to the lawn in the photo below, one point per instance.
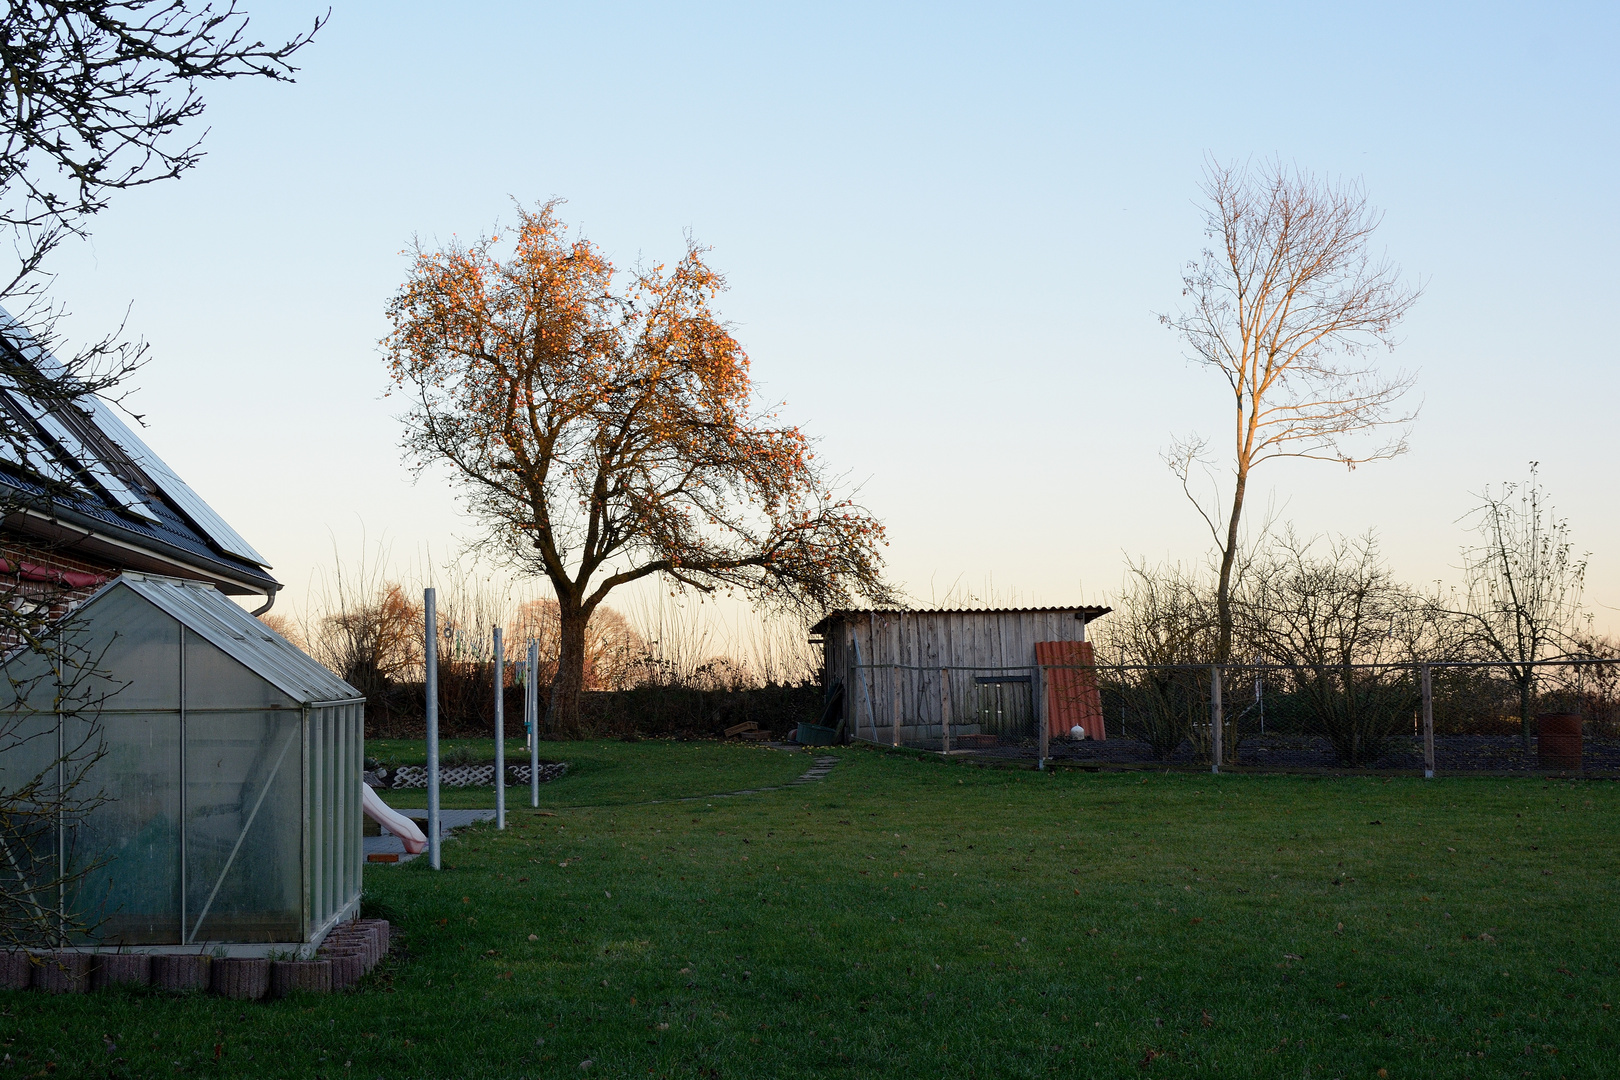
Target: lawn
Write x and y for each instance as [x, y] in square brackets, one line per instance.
[610, 773]
[910, 917]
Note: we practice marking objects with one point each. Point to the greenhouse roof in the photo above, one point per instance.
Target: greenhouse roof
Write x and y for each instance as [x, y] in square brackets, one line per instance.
[206, 612]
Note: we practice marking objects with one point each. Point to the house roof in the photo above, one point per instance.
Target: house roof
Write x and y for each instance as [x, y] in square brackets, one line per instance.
[81, 467]
[206, 612]
[844, 614]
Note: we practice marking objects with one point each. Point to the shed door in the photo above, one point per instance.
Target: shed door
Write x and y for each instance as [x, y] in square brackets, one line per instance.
[1005, 706]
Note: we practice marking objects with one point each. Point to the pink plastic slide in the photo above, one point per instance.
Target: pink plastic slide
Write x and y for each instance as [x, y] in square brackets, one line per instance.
[399, 825]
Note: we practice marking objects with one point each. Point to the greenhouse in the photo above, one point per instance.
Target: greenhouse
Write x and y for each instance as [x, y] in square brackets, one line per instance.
[226, 762]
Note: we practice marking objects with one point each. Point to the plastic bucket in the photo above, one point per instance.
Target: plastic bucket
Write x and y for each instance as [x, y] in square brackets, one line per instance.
[1558, 740]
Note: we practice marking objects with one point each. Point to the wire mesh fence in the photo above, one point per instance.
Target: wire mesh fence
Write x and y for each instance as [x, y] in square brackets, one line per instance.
[1426, 718]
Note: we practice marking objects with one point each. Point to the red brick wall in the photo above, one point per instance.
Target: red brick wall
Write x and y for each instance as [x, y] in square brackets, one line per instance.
[21, 567]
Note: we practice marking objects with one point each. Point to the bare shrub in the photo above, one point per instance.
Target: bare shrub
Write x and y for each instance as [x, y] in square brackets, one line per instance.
[1164, 621]
[1323, 611]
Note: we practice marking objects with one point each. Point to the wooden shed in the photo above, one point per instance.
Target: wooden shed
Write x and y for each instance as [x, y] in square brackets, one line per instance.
[960, 679]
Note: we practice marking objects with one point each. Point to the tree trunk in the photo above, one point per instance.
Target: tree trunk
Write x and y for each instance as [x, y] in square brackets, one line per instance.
[564, 717]
[1223, 590]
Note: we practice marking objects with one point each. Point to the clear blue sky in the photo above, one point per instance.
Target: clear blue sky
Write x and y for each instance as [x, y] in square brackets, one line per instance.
[947, 229]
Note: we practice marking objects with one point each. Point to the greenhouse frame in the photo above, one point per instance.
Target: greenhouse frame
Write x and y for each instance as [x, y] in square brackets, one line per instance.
[230, 764]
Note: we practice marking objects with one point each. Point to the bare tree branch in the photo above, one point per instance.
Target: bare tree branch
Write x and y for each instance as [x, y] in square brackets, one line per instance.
[1287, 306]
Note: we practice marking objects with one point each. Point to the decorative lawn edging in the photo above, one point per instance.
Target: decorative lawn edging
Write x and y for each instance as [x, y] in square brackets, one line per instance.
[347, 955]
[415, 776]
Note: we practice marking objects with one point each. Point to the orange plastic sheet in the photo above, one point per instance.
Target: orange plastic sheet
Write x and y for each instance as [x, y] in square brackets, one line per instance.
[1072, 697]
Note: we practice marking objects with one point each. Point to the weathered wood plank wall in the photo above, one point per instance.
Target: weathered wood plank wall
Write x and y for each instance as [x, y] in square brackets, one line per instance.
[984, 642]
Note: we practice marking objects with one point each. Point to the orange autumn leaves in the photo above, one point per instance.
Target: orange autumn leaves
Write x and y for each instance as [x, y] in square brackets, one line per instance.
[602, 425]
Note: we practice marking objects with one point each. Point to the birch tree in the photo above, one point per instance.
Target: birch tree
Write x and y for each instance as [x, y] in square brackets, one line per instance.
[1288, 304]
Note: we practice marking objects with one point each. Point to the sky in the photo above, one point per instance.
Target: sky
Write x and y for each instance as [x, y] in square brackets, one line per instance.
[948, 231]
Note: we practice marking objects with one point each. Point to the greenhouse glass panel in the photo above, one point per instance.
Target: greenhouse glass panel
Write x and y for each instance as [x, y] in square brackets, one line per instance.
[132, 646]
[28, 832]
[244, 827]
[30, 684]
[215, 681]
[27, 748]
[131, 842]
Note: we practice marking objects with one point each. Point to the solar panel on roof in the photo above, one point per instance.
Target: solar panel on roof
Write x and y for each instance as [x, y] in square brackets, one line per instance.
[69, 441]
[178, 491]
[21, 446]
[101, 415]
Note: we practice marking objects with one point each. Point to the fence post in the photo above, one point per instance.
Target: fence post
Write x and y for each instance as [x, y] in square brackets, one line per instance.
[861, 689]
[1215, 718]
[430, 632]
[1428, 724]
[500, 731]
[1042, 734]
[533, 703]
[896, 670]
[945, 708]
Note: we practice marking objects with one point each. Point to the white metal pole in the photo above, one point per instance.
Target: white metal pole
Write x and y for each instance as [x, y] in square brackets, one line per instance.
[500, 731]
[534, 724]
[430, 615]
[1215, 719]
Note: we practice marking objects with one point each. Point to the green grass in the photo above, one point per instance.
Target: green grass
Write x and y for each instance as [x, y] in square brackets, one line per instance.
[414, 751]
[923, 918]
[608, 773]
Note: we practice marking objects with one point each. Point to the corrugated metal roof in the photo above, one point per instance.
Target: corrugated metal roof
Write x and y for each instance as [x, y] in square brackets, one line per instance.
[1090, 612]
[205, 611]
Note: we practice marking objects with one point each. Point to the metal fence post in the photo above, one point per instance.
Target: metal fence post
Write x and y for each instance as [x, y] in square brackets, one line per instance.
[1043, 735]
[430, 631]
[945, 708]
[895, 669]
[1215, 718]
[534, 724]
[500, 731]
[1428, 724]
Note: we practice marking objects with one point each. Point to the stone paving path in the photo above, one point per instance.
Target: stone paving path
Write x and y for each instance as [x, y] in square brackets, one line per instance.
[816, 772]
[450, 820]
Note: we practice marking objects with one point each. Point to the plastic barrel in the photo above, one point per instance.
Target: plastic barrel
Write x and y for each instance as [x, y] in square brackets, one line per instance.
[1558, 740]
